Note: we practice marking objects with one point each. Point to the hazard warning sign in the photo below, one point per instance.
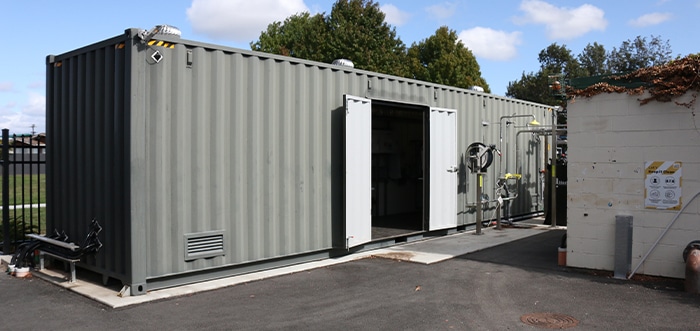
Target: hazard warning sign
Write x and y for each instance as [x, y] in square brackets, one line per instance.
[662, 183]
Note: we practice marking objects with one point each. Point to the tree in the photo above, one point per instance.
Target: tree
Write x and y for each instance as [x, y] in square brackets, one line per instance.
[357, 31]
[443, 59]
[354, 30]
[554, 60]
[558, 60]
[302, 36]
[593, 60]
[638, 53]
[532, 87]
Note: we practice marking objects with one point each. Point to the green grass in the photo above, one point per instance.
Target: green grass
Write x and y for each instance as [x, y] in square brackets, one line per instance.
[25, 183]
[24, 190]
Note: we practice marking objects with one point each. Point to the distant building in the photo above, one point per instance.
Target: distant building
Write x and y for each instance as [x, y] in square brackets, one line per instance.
[28, 144]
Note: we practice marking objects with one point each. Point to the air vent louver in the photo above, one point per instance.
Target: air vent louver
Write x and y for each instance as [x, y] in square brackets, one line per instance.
[203, 245]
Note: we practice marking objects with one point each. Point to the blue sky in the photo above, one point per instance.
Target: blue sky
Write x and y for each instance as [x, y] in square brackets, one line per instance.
[505, 36]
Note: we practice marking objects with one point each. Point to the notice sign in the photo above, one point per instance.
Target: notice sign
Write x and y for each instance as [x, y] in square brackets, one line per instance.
[663, 185]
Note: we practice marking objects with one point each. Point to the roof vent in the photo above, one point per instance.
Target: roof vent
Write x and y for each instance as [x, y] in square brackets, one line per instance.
[343, 62]
[161, 29]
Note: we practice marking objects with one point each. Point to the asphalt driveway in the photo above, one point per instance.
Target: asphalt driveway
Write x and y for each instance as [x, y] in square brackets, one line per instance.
[487, 290]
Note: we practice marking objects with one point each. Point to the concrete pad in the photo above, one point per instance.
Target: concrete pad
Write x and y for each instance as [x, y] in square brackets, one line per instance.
[426, 252]
[443, 248]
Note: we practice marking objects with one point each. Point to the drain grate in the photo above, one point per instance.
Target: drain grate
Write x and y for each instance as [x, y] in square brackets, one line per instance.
[549, 320]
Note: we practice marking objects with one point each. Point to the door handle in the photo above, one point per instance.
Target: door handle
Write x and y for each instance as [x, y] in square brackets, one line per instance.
[453, 169]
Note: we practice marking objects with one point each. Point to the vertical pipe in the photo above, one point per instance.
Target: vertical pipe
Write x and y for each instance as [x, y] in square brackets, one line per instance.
[6, 190]
[554, 169]
[479, 215]
[498, 216]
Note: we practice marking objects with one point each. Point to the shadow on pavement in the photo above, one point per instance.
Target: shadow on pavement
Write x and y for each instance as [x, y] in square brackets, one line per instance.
[540, 252]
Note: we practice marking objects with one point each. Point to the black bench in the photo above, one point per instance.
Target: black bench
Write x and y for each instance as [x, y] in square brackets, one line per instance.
[58, 247]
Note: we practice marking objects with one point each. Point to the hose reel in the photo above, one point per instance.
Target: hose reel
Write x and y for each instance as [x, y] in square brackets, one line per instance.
[480, 156]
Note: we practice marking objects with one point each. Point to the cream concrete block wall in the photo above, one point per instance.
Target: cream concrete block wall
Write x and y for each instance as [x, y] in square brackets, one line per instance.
[611, 137]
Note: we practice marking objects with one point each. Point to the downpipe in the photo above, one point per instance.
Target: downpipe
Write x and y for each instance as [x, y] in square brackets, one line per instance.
[651, 249]
[691, 256]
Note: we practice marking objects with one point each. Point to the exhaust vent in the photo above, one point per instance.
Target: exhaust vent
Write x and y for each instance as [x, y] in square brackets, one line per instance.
[204, 245]
[343, 62]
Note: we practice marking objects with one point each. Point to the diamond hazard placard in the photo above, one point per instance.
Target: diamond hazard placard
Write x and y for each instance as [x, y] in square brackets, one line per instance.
[662, 182]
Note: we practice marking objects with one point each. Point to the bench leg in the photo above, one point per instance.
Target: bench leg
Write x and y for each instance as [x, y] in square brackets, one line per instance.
[72, 272]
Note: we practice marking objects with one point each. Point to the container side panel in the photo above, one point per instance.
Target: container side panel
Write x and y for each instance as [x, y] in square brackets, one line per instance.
[237, 144]
[86, 178]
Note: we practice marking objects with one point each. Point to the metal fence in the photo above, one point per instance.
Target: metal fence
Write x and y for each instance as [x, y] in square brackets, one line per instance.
[23, 190]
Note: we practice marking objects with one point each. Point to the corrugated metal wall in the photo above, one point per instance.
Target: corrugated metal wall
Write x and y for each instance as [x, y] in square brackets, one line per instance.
[163, 142]
[233, 143]
[87, 157]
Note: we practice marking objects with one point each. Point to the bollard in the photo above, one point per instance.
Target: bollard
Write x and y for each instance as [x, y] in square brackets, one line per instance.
[691, 255]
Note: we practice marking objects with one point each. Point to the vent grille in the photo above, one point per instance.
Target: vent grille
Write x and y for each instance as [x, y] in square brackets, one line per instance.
[203, 245]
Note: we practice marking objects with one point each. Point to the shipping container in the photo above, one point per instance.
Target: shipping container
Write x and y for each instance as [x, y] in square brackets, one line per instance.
[203, 161]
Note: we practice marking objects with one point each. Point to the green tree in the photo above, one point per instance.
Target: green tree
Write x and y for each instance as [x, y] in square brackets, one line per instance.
[532, 87]
[554, 60]
[558, 60]
[354, 30]
[302, 36]
[443, 59]
[593, 60]
[357, 31]
[638, 53]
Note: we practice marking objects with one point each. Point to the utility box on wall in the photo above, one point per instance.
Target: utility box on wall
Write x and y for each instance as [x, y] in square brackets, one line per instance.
[203, 161]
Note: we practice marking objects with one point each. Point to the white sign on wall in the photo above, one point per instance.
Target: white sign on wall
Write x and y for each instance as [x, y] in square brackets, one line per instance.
[662, 182]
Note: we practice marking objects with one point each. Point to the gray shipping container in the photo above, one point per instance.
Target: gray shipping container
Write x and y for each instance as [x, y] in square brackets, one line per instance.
[202, 161]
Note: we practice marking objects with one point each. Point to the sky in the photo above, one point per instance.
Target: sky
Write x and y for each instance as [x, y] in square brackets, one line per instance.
[505, 36]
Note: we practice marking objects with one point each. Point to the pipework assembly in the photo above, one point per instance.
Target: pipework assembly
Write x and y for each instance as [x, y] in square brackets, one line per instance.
[480, 158]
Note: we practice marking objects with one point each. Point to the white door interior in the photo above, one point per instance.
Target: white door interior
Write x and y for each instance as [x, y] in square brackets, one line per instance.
[443, 169]
[358, 170]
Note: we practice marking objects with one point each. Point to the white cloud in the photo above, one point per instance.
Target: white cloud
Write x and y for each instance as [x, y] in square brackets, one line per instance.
[394, 15]
[442, 11]
[32, 113]
[650, 19]
[36, 105]
[6, 86]
[562, 22]
[239, 20]
[491, 44]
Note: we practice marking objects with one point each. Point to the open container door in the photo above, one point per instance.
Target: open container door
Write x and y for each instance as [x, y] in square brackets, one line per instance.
[358, 170]
[443, 169]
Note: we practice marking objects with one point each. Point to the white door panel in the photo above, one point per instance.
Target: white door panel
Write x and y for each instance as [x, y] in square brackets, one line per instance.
[358, 170]
[443, 169]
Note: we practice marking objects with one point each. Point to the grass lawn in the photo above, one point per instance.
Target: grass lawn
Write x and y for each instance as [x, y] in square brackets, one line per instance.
[25, 190]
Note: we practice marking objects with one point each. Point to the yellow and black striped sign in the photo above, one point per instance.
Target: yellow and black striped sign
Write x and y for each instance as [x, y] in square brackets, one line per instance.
[663, 181]
[161, 43]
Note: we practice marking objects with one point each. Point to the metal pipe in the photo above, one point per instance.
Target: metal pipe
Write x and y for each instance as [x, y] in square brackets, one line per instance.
[662, 235]
[554, 169]
[542, 131]
[479, 211]
[500, 135]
